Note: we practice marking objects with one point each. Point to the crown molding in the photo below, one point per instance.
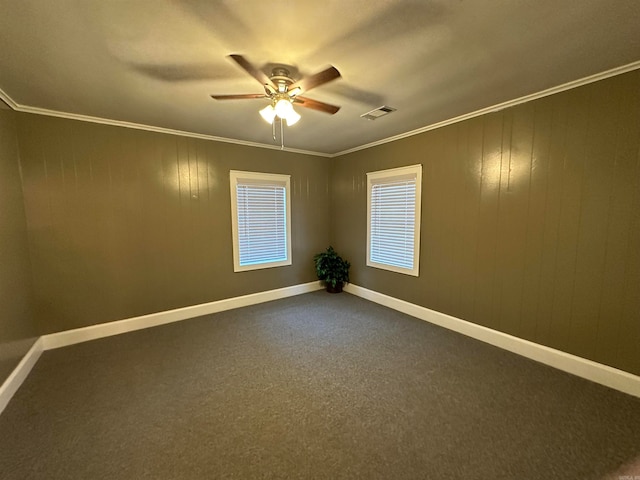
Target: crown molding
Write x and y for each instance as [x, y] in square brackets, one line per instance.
[500, 106]
[494, 108]
[150, 128]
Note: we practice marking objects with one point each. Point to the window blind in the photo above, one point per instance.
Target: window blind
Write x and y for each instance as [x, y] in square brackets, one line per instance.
[262, 228]
[392, 223]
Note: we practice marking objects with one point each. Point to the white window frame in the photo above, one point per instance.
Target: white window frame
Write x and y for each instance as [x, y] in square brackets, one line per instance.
[387, 176]
[237, 177]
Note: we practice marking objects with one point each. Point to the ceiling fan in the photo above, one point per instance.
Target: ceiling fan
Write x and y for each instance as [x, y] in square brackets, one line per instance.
[283, 91]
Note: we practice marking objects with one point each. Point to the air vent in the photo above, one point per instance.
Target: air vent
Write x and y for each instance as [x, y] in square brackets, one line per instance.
[378, 112]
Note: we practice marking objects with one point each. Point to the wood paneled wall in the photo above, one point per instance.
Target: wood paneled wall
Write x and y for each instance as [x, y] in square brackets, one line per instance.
[125, 222]
[530, 220]
[17, 332]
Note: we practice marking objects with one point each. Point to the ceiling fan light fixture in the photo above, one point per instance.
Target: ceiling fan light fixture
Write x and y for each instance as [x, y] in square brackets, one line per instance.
[282, 90]
[283, 109]
[268, 113]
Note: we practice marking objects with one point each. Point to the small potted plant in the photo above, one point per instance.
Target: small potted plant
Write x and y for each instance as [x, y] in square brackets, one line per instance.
[332, 270]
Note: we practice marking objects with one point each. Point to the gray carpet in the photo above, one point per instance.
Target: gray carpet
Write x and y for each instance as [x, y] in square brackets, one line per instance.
[314, 386]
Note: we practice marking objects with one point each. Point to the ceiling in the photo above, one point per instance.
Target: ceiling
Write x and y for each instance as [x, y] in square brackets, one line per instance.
[155, 62]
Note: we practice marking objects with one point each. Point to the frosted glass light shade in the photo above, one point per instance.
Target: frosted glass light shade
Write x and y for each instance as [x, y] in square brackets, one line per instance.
[268, 113]
[283, 108]
[292, 118]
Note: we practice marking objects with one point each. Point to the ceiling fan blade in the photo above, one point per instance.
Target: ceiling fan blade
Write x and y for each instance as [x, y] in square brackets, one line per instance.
[240, 96]
[316, 105]
[259, 75]
[316, 80]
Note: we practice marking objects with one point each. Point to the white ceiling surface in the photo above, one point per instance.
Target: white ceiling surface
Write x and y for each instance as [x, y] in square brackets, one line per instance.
[155, 62]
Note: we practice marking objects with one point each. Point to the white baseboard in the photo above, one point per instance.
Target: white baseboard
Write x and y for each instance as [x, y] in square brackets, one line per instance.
[588, 369]
[596, 372]
[78, 335]
[84, 334]
[10, 386]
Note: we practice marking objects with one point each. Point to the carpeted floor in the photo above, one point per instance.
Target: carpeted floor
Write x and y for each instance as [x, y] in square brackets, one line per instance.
[313, 386]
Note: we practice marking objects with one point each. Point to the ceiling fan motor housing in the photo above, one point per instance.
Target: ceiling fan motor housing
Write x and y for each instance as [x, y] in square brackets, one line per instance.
[280, 77]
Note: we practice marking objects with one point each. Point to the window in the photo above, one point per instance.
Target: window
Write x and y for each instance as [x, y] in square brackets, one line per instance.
[261, 220]
[393, 219]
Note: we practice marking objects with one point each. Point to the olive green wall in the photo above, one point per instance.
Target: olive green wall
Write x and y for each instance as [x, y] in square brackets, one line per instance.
[530, 220]
[126, 222]
[17, 332]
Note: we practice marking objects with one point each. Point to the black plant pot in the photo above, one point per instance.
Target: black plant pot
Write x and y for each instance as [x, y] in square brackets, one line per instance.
[336, 289]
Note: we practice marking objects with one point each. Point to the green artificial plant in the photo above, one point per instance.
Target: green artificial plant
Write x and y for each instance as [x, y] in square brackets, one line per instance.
[332, 269]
